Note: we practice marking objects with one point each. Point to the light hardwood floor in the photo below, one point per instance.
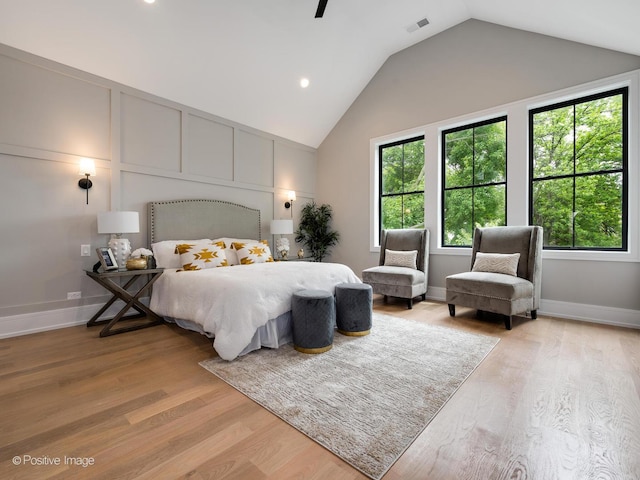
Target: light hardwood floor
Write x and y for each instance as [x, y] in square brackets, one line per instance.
[555, 399]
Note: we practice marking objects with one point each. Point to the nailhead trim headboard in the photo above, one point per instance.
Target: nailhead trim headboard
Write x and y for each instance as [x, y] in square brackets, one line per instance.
[195, 219]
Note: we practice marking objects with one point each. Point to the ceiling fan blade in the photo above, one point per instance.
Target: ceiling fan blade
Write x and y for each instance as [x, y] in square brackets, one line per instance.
[321, 6]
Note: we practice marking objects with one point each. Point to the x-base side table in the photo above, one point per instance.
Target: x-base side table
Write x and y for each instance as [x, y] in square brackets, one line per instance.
[132, 300]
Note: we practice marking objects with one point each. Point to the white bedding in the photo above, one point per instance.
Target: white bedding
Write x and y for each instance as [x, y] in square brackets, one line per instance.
[231, 303]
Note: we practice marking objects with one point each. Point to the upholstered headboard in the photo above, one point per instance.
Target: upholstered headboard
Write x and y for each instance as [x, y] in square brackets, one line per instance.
[194, 219]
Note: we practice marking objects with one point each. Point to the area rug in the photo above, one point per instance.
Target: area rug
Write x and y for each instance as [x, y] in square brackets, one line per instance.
[368, 398]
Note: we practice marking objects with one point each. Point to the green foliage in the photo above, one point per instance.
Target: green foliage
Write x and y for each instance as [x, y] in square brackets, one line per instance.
[314, 230]
[474, 180]
[577, 186]
[579, 148]
[403, 185]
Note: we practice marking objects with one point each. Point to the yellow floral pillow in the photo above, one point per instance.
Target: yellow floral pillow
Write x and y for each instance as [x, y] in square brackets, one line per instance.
[201, 255]
[253, 252]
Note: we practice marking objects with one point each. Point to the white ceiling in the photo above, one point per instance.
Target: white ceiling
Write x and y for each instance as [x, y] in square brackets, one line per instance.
[243, 59]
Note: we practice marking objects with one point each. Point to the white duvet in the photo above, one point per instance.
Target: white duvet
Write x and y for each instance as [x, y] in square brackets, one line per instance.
[231, 303]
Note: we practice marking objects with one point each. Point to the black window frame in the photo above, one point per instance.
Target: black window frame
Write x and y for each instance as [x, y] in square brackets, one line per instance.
[444, 189]
[624, 91]
[381, 195]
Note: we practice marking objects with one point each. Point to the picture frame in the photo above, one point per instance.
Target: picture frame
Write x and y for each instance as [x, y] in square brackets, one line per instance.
[107, 259]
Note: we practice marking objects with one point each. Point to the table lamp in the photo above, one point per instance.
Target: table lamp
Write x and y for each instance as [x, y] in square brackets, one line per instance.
[117, 223]
[282, 227]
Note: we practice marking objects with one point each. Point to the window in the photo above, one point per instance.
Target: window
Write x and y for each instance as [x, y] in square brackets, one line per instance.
[594, 217]
[401, 186]
[474, 169]
[578, 172]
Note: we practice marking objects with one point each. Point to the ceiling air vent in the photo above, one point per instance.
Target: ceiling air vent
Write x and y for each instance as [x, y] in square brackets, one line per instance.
[419, 24]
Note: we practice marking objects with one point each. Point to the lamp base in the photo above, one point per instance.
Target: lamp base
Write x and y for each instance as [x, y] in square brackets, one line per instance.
[121, 249]
[282, 247]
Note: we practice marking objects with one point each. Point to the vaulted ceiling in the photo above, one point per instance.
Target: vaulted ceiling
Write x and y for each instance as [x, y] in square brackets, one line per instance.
[243, 59]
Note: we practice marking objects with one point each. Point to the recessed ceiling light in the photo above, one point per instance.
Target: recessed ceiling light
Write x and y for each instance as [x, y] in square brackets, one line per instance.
[150, 1]
[304, 82]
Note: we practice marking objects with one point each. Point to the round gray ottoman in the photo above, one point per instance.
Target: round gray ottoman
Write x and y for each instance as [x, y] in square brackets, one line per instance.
[354, 308]
[313, 318]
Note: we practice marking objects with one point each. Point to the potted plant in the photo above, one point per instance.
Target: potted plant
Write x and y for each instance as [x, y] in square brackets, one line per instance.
[314, 231]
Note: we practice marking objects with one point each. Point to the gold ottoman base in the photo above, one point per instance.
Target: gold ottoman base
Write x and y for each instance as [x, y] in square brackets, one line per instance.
[355, 334]
[313, 350]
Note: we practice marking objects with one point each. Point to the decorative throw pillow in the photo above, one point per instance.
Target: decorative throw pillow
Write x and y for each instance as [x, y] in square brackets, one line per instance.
[506, 263]
[165, 252]
[201, 255]
[401, 258]
[230, 252]
[253, 252]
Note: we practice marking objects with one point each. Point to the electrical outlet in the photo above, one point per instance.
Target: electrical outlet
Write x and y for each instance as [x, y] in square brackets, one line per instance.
[85, 250]
[74, 295]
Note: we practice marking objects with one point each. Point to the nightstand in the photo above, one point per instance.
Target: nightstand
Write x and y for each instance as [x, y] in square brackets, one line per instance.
[109, 281]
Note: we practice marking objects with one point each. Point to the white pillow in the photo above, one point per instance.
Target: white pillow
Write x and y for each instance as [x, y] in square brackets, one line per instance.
[165, 252]
[230, 252]
[401, 258]
[506, 263]
[253, 252]
[202, 255]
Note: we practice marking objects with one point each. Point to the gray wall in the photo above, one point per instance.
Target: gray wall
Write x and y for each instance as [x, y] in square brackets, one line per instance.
[469, 68]
[146, 148]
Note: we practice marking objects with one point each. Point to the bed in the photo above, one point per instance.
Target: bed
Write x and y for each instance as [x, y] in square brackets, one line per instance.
[243, 307]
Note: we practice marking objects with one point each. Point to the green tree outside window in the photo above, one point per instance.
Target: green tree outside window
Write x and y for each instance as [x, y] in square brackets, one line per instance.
[578, 152]
[475, 180]
[402, 184]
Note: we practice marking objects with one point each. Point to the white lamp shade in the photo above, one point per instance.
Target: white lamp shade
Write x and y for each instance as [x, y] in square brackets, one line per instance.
[87, 167]
[281, 227]
[292, 196]
[118, 222]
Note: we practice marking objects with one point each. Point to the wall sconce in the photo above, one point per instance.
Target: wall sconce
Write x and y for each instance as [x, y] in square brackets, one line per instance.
[289, 203]
[88, 168]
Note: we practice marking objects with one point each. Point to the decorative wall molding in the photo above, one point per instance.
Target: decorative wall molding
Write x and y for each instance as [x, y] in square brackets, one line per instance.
[145, 147]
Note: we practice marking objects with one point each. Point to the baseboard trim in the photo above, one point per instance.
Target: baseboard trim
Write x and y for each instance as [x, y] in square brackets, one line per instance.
[620, 317]
[27, 323]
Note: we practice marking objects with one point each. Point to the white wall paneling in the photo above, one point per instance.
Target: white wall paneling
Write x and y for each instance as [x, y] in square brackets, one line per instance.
[210, 148]
[52, 111]
[146, 149]
[151, 134]
[253, 159]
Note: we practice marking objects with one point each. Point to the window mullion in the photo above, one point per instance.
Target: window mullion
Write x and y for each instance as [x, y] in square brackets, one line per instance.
[573, 219]
[473, 180]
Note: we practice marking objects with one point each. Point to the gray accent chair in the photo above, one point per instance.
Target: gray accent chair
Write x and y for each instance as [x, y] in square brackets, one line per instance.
[402, 282]
[497, 292]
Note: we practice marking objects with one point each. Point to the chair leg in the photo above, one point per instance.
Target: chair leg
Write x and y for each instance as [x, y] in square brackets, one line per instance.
[410, 303]
[424, 297]
[534, 314]
[508, 322]
[384, 299]
[452, 310]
